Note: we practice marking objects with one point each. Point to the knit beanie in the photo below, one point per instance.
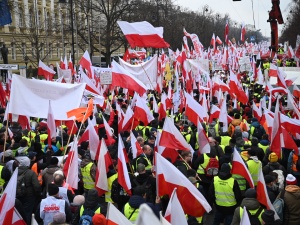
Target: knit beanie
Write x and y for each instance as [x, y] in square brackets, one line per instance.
[250, 193]
[268, 216]
[291, 180]
[273, 157]
[99, 219]
[52, 189]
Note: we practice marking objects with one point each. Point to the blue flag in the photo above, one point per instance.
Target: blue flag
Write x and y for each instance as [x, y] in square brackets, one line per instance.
[5, 16]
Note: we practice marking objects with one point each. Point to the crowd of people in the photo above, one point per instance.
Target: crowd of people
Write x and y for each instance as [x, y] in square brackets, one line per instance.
[42, 189]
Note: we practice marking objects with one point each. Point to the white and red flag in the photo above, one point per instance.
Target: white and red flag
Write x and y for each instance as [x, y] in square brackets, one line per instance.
[169, 177]
[239, 167]
[291, 53]
[135, 146]
[171, 136]
[213, 42]
[142, 111]
[203, 142]
[122, 78]
[115, 217]
[218, 40]
[226, 32]
[245, 218]
[174, 212]
[45, 71]
[71, 166]
[243, 32]
[276, 137]
[273, 72]
[143, 34]
[8, 213]
[51, 127]
[93, 139]
[101, 182]
[123, 175]
[193, 110]
[86, 63]
[146, 216]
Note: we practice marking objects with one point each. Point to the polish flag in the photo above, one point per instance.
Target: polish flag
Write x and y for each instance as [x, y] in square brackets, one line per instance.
[135, 146]
[45, 71]
[226, 32]
[70, 65]
[239, 167]
[203, 142]
[162, 110]
[213, 42]
[122, 78]
[169, 177]
[128, 121]
[174, 212]
[171, 136]
[273, 72]
[101, 182]
[62, 64]
[165, 152]
[123, 175]
[245, 218]
[193, 110]
[86, 63]
[223, 116]
[296, 91]
[71, 166]
[51, 127]
[243, 32]
[146, 216]
[225, 58]
[8, 213]
[260, 77]
[214, 113]
[109, 134]
[115, 217]
[142, 111]
[72, 127]
[93, 139]
[257, 112]
[143, 34]
[276, 137]
[218, 40]
[90, 86]
[262, 194]
[291, 53]
[163, 221]
[281, 79]
[237, 88]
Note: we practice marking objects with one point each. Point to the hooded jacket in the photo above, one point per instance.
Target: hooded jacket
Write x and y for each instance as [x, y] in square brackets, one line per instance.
[291, 205]
[250, 204]
[32, 184]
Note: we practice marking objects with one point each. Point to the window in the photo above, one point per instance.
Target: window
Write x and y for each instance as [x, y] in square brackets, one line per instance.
[23, 49]
[39, 19]
[57, 50]
[33, 49]
[31, 18]
[13, 51]
[21, 17]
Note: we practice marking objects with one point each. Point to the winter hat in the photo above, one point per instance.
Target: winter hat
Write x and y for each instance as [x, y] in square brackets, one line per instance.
[244, 155]
[250, 193]
[23, 161]
[8, 153]
[225, 168]
[78, 200]
[54, 161]
[99, 219]
[52, 189]
[291, 180]
[59, 218]
[273, 157]
[245, 134]
[268, 216]
[254, 141]
[31, 155]
[92, 196]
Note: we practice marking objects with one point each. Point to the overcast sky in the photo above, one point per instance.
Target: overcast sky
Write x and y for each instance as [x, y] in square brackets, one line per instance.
[241, 11]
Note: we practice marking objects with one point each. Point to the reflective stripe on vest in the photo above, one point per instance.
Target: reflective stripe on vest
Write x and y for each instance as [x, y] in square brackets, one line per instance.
[88, 182]
[252, 212]
[110, 180]
[224, 192]
[98, 211]
[149, 166]
[254, 169]
[128, 210]
[2, 181]
[241, 181]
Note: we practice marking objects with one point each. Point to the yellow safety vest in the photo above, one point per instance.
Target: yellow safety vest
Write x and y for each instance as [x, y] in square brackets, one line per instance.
[225, 140]
[263, 147]
[43, 137]
[128, 210]
[110, 180]
[2, 181]
[28, 140]
[148, 167]
[241, 181]
[187, 136]
[224, 192]
[88, 182]
[252, 212]
[254, 169]
[98, 211]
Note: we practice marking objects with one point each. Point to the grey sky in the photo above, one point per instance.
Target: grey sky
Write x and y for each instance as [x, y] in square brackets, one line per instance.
[241, 11]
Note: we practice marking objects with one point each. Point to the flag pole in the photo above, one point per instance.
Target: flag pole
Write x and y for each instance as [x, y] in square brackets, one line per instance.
[147, 76]
[189, 167]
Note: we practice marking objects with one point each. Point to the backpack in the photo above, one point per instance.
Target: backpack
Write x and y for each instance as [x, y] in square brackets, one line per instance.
[280, 178]
[258, 132]
[118, 194]
[212, 167]
[87, 216]
[278, 205]
[21, 186]
[254, 218]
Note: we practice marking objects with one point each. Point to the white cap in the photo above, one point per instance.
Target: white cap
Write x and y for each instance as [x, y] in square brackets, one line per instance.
[290, 178]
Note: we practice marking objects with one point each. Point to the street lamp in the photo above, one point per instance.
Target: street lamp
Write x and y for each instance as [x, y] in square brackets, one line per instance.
[72, 25]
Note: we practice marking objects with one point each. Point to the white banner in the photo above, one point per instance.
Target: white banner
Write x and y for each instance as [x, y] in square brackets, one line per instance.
[146, 72]
[31, 97]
